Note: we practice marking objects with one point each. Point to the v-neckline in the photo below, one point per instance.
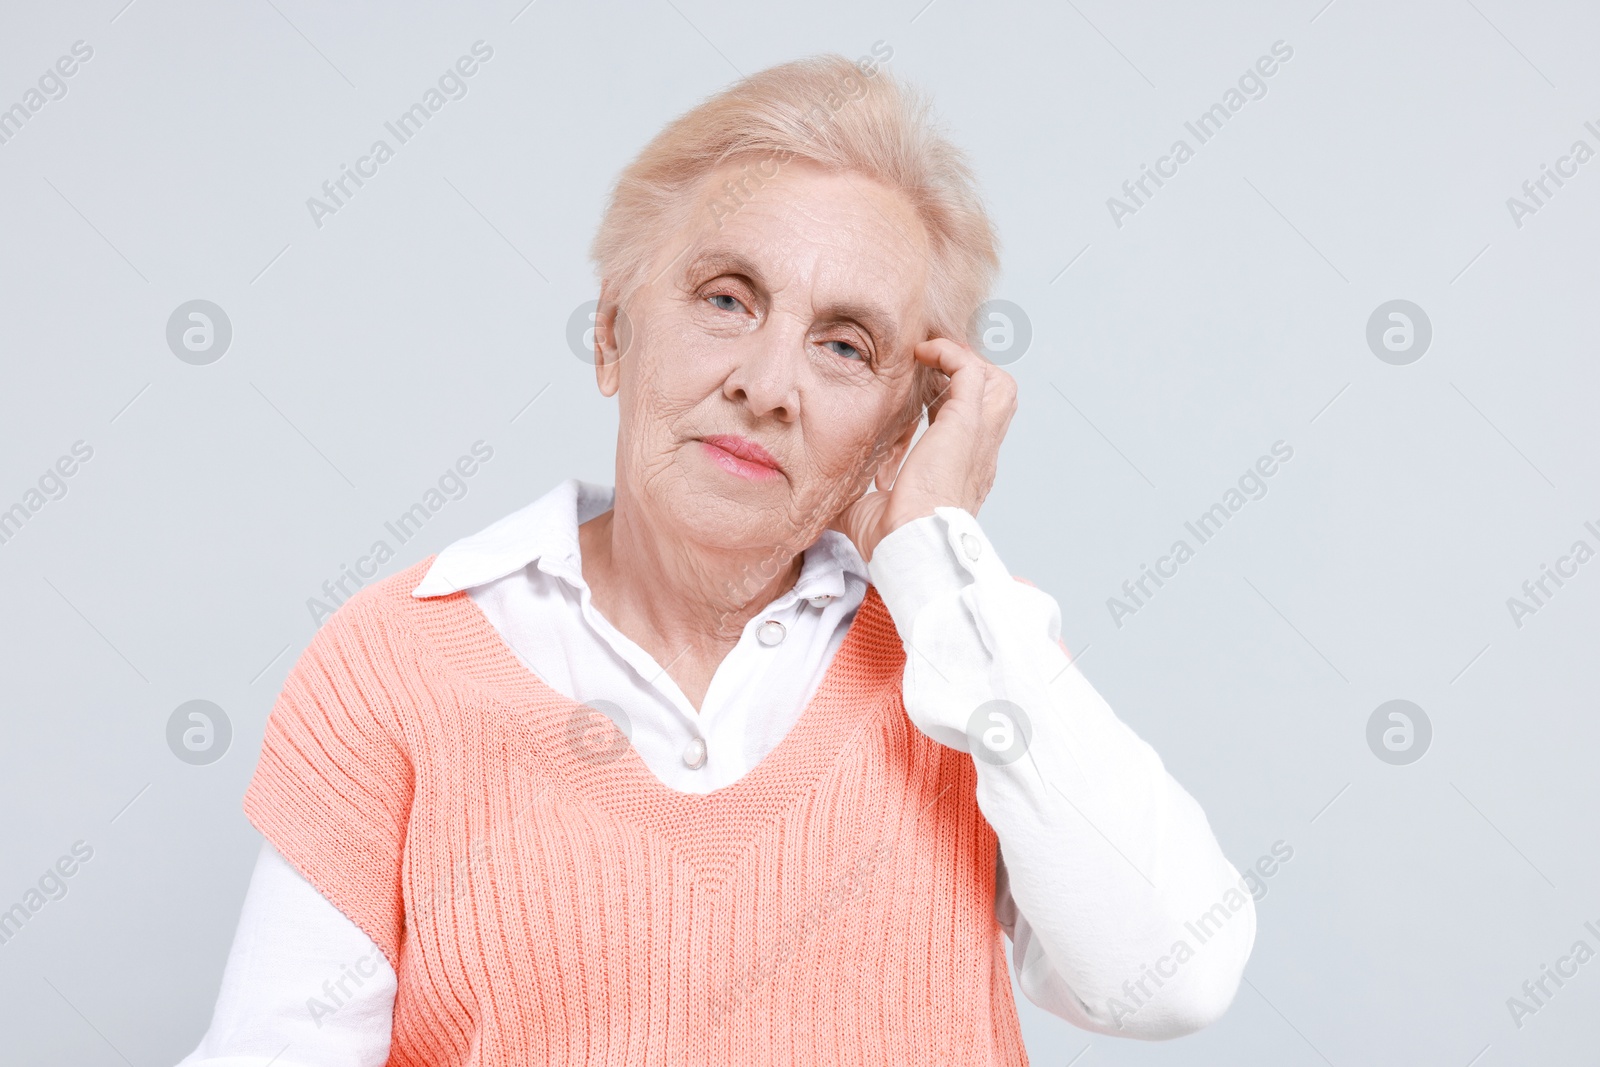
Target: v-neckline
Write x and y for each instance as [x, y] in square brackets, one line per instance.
[858, 687]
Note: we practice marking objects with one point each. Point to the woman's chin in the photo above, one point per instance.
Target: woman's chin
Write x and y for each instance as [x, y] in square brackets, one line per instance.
[711, 507]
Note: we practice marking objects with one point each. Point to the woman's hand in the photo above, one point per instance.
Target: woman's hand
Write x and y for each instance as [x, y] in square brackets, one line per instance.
[953, 463]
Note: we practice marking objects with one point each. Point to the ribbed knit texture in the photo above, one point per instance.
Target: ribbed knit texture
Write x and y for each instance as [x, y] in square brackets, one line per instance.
[544, 899]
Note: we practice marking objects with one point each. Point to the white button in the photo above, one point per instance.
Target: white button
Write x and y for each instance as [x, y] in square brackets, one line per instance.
[970, 545]
[695, 755]
[770, 632]
[819, 601]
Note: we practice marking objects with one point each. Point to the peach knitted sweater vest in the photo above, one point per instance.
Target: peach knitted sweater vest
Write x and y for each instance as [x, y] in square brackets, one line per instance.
[544, 899]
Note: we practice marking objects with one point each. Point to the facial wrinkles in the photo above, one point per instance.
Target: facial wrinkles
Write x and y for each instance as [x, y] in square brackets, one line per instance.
[810, 256]
[824, 267]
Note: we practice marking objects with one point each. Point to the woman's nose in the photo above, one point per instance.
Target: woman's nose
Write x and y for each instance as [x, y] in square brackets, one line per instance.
[766, 372]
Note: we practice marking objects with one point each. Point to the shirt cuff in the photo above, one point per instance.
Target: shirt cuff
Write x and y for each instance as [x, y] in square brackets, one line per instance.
[929, 559]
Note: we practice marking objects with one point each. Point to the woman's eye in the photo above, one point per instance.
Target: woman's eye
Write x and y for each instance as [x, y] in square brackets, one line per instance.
[844, 348]
[724, 302]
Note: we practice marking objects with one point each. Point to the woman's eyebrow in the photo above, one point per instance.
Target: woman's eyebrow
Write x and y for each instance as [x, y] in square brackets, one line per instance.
[880, 325]
[715, 262]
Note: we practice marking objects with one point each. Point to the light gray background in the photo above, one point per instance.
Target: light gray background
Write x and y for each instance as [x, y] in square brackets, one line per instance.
[1229, 313]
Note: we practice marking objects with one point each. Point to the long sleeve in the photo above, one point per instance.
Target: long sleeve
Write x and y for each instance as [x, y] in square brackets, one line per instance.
[1126, 918]
[303, 987]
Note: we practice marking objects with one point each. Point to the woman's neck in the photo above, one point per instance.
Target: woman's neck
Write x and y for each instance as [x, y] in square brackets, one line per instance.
[684, 603]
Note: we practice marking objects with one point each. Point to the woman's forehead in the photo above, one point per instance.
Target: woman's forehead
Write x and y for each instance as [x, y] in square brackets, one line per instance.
[820, 204]
[811, 228]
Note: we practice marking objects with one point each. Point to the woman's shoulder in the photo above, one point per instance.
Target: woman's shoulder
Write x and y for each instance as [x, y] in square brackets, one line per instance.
[348, 705]
[385, 602]
[361, 654]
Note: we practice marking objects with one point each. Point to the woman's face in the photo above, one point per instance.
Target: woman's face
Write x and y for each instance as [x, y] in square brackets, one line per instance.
[783, 314]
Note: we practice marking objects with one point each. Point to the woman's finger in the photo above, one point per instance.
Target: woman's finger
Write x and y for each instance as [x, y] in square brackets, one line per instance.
[964, 369]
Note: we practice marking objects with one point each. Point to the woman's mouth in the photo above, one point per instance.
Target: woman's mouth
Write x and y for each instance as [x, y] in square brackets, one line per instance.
[741, 456]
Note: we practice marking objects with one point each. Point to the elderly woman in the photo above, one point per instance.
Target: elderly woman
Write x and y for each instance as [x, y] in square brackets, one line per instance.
[742, 760]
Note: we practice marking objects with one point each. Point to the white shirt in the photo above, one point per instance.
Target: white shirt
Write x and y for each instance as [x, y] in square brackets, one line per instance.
[1106, 862]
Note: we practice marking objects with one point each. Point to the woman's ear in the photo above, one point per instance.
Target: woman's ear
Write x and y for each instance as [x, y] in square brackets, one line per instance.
[610, 340]
[889, 466]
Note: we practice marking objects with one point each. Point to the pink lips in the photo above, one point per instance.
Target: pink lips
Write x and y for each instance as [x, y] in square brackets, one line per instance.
[741, 456]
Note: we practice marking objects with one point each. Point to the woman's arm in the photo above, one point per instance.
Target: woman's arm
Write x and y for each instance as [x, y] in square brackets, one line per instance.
[304, 986]
[1126, 918]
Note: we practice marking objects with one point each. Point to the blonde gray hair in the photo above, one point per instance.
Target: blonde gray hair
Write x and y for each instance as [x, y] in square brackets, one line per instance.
[843, 116]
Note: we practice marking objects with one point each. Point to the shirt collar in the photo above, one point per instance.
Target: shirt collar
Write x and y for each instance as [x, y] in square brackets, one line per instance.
[545, 533]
